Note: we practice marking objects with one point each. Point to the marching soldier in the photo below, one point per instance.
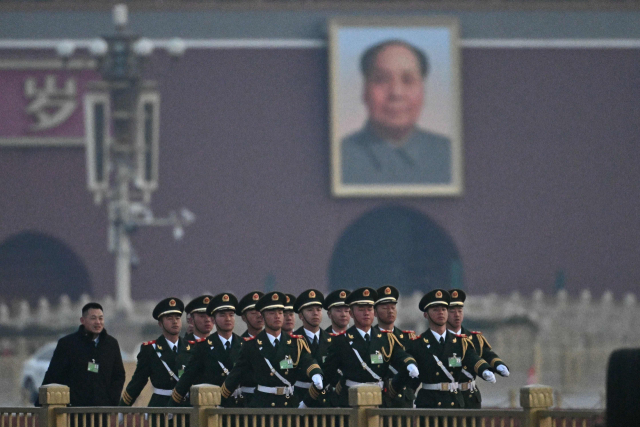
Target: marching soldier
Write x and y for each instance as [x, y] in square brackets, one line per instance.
[162, 361]
[362, 354]
[214, 355]
[249, 314]
[274, 359]
[309, 308]
[197, 314]
[255, 324]
[441, 356]
[337, 311]
[386, 312]
[470, 392]
[289, 313]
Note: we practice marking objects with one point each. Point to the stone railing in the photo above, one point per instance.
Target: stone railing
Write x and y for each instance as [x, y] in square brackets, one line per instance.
[535, 411]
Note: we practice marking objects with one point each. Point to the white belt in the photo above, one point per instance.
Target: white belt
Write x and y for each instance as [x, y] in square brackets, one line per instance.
[350, 383]
[302, 384]
[440, 386]
[162, 392]
[471, 385]
[249, 390]
[278, 391]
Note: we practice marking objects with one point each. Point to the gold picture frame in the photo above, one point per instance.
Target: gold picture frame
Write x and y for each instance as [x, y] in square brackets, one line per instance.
[382, 146]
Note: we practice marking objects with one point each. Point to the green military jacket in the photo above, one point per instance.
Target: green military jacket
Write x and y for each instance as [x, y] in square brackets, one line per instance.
[342, 363]
[320, 355]
[151, 368]
[210, 364]
[472, 396]
[435, 366]
[291, 359]
[405, 396]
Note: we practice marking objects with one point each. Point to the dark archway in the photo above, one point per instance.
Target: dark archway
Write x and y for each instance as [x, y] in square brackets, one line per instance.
[33, 265]
[394, 245]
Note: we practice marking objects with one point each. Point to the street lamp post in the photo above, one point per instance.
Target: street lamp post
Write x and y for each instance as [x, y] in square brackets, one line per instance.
[122, 113]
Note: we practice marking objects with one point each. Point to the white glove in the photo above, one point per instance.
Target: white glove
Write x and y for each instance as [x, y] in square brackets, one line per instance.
[488, 376]
[120, 418]
[302, 405]
[413, 371]
[503, 370]
[317, 381]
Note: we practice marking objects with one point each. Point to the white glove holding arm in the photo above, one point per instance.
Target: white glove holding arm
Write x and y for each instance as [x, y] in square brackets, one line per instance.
[413, 371]
[503, 370]
[488, 376]
[317, 381]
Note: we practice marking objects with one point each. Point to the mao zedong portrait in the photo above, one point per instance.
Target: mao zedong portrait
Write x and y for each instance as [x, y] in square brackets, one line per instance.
[391, 148]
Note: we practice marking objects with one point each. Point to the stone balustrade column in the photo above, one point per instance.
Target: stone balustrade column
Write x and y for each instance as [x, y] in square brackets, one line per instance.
[204, 396]
[361, 398]
[533, 399]
[53, 396]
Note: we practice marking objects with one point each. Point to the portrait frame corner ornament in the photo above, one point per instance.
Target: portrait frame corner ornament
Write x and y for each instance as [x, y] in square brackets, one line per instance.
[426, 158]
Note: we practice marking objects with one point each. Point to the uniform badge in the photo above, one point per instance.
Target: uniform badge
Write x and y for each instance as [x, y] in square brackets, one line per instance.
[379, 335]
[225, 298]
[288, 341]
[328, 339]
[401, 336]
[312, 294]
[259, 342]
[455, 339]
[288, 299]
[426, 340]
[209, 341]
[454, 294]
[172, 303]
[275, 297]
[188, 347]
[376, 358]
[387, 291]
[366, 293]
[455, 362]
[439, 294]
[350, 336]
[159, 348]
[286, 363]
[255, 297]
[206, 300]
[343, 294]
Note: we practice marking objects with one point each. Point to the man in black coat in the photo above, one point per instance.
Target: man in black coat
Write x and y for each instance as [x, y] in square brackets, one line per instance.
[88, 362]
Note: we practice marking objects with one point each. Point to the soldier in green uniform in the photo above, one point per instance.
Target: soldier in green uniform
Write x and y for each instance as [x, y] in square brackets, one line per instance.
[309, 308]
[274, 359]
[470, 392]
[214, 355]
[289, 323]
[363, 355]
[337, 311]
[162, 361]
[441, 356]
[385, 311]
[197, 311]
[251, 316]
[255, 324]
